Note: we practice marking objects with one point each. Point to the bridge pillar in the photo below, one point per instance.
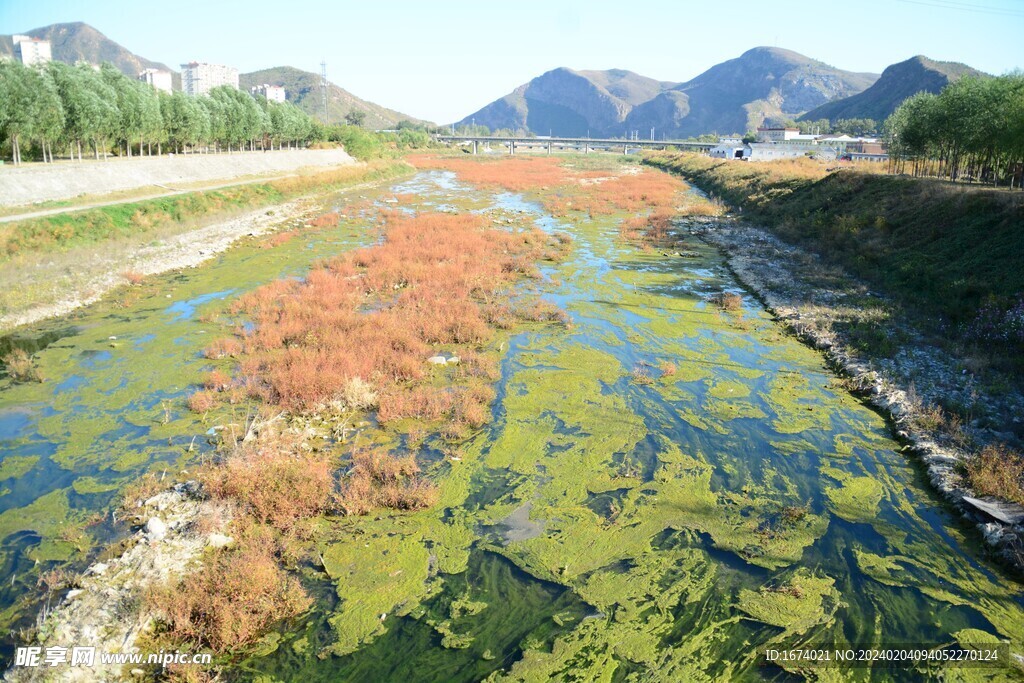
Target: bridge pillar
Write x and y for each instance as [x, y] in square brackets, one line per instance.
[625, 150]
[511, 146]
[475, 143]
[549, 147]
[586, 148]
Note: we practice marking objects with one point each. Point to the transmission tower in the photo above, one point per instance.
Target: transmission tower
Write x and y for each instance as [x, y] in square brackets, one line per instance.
[323, 90]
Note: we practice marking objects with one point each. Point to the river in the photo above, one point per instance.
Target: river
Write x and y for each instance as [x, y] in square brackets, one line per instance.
[665, 491]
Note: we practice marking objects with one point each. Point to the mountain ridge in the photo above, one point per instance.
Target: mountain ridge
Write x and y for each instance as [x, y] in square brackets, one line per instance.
[897, 82]
[733, 96]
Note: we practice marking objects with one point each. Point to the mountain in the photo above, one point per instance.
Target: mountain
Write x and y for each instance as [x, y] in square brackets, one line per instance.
[762, 84]
[731, 97]
[302, 88]
[77, 41]
[897, 83]
[569, 102]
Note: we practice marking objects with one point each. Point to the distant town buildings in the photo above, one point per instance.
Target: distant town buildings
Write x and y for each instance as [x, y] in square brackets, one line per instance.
[32, 50]
[789, 143]
[159, 79]
[273, 93]
[198, 78]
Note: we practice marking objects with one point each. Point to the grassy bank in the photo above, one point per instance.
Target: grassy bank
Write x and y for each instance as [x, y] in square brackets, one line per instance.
[49, 266]
[64, 231]
[944, 249]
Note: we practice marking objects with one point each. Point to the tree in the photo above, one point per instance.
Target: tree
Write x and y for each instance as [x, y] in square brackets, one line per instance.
[355, 117]
[17, 105]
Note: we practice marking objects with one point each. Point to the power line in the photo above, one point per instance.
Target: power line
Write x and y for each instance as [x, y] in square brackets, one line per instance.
[966, 7]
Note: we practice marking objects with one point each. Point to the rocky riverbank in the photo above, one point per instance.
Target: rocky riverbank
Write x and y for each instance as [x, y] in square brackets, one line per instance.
[810, 297]
[103, 609]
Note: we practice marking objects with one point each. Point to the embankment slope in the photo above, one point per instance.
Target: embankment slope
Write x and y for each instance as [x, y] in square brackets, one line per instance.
[50, 182]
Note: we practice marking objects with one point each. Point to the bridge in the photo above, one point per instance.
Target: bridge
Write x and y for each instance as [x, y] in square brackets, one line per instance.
[585, 144]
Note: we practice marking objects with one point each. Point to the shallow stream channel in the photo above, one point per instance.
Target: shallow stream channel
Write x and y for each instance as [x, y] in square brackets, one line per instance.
[666, 490]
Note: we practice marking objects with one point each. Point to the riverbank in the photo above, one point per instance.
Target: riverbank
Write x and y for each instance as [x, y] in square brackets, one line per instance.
[890, 358]
[667, 475]
[39, 184]
[72, 261]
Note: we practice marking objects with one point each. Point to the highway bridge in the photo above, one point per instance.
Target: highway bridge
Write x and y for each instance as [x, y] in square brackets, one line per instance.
[585, 144]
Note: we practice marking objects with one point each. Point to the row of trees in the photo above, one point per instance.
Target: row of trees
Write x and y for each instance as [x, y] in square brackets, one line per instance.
[973, 131]
[63, 106]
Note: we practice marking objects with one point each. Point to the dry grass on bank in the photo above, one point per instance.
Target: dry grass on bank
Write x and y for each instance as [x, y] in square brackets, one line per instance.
[998, 471]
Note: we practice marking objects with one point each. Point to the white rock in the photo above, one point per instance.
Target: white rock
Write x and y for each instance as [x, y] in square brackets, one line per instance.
[437, 360]
[72, 594]
[454, 360]
[99, 569]
[219, 540]
[155, 528]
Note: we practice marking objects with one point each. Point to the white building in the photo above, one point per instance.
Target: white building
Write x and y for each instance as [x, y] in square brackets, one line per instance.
[765, 134]
[273, 93]
[198, 78]
[32, 50]
[768, 151]
[159, 79]
[729, 148]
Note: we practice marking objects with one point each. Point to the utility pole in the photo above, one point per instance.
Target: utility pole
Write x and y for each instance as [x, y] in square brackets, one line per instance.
[652, 132]
[323, 91]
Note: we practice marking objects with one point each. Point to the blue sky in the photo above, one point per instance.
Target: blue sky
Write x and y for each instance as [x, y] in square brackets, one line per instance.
[442, 60]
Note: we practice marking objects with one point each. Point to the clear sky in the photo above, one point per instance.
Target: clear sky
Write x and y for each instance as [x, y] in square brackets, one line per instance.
[441, 60]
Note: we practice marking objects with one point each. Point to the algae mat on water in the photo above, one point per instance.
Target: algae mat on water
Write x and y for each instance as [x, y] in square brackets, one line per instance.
[679, 525]
[615, 521]
[112, 403]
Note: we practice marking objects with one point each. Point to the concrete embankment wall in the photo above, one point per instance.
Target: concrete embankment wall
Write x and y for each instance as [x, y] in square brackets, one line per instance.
[64, 180]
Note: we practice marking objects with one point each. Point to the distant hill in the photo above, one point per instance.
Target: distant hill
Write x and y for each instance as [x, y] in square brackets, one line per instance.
[897, 83]
[763, 83]
[79, 42]
[733, 96]
[302, 88]
[569, 102]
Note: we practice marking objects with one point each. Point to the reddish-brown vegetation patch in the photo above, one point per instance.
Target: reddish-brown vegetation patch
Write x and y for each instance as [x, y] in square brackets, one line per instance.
[380, 479]
[232, 600]
[325, 220]
[275, 481]
[377, 314]
[515, 174]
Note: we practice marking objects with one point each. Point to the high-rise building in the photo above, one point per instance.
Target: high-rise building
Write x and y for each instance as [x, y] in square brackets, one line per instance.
[32, 50]
[159, 79]
[198, 78]
[274, 93]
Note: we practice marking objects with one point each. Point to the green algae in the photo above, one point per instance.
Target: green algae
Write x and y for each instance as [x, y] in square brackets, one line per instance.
[375, 575]
[803, 602]
[682, 513]
[857, 499]
[16, 466]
